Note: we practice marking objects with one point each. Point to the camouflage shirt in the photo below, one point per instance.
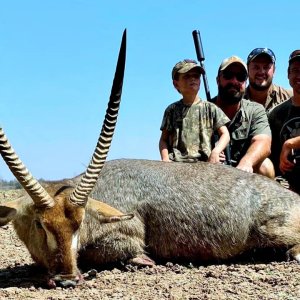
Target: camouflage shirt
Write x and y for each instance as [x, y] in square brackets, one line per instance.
[191, 128]
[277, 95]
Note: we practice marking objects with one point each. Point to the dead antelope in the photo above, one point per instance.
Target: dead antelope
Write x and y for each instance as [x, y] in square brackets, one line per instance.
[50, 225]
[182, 211]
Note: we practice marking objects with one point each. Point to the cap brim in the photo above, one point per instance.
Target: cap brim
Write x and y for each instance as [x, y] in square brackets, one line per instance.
[189, 68]
[260, 54]
[296, 57]
[232, 63]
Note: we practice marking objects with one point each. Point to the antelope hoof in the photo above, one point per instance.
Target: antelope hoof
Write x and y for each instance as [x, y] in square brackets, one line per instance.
[142, 261]
[294, 253]
[60, 281]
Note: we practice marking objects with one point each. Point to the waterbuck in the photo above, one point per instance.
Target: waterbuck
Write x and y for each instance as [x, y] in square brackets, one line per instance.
[150, 210]
[49, 221]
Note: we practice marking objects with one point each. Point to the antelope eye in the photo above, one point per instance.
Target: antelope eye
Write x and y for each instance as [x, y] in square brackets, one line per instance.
[38, 224]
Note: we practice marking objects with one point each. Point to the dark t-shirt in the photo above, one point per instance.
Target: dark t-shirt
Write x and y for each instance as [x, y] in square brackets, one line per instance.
[285, 124]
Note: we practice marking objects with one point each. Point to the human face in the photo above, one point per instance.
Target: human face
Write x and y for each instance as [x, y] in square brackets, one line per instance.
[232, 84]
[294, 76]
[188, 83]
[261, 72]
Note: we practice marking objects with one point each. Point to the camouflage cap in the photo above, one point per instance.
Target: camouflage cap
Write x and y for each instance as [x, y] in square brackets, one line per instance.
[294, 55]
[185, 66]
[261, 51]
[232, 60]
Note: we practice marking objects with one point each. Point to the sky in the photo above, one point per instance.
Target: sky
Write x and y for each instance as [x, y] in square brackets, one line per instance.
[58, 57]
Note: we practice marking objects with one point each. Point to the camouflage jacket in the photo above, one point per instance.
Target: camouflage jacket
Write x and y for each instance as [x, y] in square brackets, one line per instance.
[191, 128]
[276, 96]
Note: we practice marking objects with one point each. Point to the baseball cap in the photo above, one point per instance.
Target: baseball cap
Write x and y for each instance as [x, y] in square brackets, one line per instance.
[294, 55]
[232, 60]
[185, 66]
[259, 51]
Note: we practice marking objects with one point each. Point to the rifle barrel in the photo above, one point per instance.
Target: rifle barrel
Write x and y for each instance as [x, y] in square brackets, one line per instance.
[201, 58]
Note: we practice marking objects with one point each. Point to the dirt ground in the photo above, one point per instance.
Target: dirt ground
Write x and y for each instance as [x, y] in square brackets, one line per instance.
[253, 276]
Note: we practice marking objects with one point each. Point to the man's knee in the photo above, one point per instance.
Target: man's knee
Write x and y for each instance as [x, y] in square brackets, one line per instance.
[266, 168]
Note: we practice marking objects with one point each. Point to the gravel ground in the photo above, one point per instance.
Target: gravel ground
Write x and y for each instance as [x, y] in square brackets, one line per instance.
[251, 277]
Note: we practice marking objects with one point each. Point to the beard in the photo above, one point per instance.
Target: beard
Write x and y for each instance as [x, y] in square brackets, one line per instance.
[261, 87]
[229, 96]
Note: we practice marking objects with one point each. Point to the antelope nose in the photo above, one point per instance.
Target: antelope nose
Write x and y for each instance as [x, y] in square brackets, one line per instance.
[62, 281]
[67, 283]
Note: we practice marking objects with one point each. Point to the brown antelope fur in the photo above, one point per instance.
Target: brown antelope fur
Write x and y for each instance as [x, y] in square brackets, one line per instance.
[52, 235]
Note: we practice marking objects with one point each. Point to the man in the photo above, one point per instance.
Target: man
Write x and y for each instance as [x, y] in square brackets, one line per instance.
[188, 124]
[261, 69]
[249, 129]
[285, 126]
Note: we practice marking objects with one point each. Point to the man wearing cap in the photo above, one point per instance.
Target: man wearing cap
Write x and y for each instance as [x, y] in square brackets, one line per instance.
[285, 126]
[261, 69]
[189, 124]
[250, 135]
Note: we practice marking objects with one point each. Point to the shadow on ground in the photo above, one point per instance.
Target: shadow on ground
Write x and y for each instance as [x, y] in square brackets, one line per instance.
[30, 275]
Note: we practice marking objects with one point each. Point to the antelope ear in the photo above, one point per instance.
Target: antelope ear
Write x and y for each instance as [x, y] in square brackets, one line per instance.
[7, 214]
[107, 213]
[8, 210]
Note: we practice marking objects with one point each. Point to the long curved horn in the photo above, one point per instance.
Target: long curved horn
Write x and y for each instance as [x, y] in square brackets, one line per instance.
[80, 195]
[37, 193]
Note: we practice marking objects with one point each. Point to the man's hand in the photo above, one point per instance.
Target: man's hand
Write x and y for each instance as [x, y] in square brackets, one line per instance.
[166, 160]
[285, 165]
[214, 157]
[245, 166]
[222, 157]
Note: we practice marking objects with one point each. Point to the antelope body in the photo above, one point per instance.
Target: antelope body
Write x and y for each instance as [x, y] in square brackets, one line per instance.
[182, 212]
[194, 212]
[179, 211]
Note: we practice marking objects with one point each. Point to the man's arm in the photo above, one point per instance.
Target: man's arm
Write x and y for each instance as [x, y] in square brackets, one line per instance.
[260, 143]
[285, 164]
[259, 150]
[223, 141]
[163, 145]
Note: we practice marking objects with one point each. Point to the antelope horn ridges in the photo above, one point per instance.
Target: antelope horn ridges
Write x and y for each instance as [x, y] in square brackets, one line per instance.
[38, 194]
[80, 195]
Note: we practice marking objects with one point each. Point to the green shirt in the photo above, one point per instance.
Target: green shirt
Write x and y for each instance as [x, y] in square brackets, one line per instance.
[249, 121]
[191, 128]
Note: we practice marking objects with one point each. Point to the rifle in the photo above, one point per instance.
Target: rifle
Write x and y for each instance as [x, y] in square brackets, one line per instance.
[201, 58]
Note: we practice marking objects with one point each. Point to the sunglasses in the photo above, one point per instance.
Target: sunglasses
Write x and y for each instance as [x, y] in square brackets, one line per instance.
[241, 77]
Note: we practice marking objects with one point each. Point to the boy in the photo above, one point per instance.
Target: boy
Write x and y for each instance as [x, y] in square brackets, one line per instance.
[188, 125]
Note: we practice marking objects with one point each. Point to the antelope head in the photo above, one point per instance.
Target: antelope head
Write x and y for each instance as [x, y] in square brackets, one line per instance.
[49, 222]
